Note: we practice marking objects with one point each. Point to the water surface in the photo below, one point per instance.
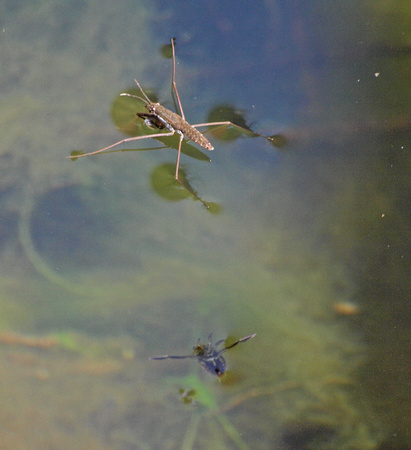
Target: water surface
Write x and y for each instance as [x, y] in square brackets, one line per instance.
[307, 247]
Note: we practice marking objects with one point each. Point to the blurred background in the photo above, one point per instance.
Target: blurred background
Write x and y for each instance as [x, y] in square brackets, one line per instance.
[105, 261]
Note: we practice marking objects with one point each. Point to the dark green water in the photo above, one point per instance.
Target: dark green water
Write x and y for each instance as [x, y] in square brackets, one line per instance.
[113, 265]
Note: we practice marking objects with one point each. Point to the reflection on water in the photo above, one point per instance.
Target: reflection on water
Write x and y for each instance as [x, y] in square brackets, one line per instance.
[106, 261]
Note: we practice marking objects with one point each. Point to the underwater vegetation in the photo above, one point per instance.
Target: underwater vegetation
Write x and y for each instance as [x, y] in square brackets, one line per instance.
[105, 261]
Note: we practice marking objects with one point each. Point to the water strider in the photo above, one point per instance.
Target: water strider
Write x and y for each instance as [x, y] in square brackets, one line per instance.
[208, 356]
[162, 118]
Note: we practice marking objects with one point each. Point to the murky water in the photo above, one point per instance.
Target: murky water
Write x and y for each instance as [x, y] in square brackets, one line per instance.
[105, 263]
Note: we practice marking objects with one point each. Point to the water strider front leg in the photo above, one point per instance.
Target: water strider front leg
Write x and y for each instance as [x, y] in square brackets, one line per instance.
[153, 121]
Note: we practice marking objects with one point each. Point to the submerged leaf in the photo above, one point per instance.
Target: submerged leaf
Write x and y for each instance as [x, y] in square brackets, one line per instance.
[166, 186]
[76, 153]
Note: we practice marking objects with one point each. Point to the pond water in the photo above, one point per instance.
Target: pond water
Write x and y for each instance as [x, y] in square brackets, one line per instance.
[105, 261]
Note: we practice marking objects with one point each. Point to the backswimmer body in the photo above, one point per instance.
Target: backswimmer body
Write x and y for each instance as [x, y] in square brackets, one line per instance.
[208, 356]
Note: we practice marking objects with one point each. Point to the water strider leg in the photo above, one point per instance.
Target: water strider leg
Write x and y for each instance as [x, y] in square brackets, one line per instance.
[191, 191]
[174, 80]
[237, 342]
[228, 123]
[171, 357]
[135, 138]
[178, 156]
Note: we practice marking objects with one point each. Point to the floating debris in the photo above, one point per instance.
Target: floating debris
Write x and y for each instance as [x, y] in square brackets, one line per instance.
[346, 309]
[29, 341]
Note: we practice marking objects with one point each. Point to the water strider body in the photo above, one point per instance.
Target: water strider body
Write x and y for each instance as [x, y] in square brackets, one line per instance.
[161, 118]
[208, 356]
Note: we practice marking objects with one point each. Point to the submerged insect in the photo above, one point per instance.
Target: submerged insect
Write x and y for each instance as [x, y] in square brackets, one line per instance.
[208, 356]
[162, 118]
